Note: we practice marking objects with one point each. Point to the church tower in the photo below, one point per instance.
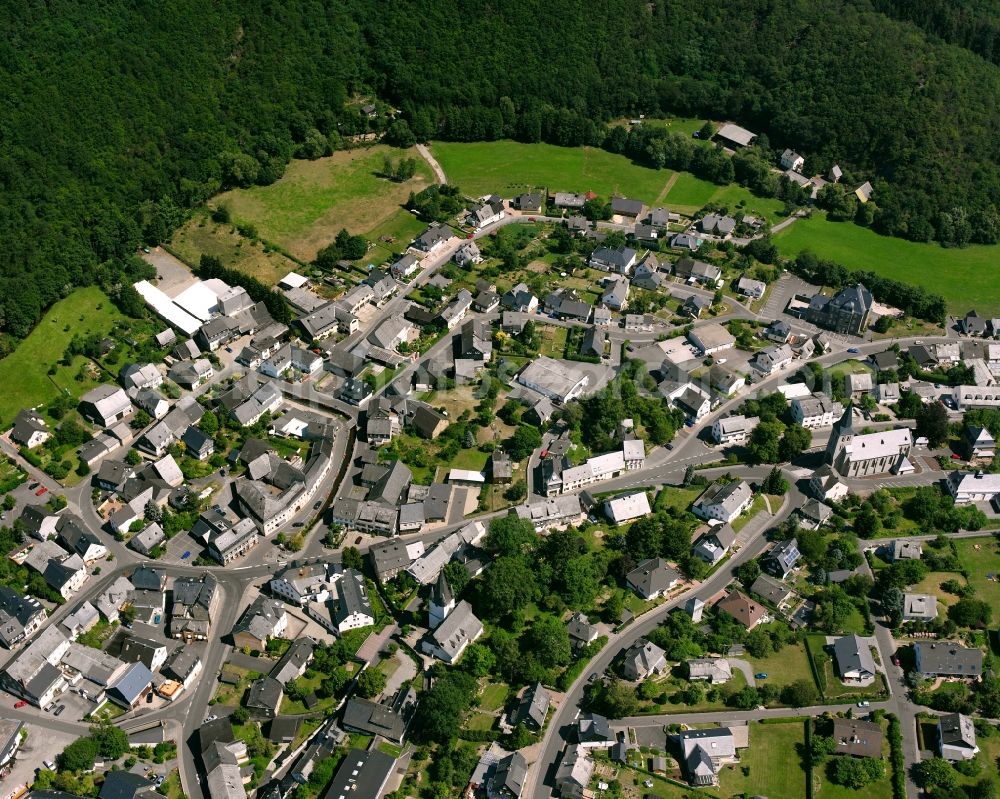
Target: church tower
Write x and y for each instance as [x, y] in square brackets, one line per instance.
[441, 601]
[841, 437]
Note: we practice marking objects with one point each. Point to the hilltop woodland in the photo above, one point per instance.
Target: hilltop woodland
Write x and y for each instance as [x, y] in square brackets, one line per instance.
[117, 120]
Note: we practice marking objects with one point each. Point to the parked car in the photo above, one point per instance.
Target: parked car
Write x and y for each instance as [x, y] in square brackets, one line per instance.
[864, 703]
[760, 675]
[317, 504]
[41, 491]
[357, 540]
[59, 710]
[853, 350]
[49, 765]
[299, 524]
[19, 704]
[186, 555]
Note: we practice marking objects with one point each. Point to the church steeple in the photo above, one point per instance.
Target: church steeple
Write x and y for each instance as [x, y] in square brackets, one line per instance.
[441, 601]
[841, 436]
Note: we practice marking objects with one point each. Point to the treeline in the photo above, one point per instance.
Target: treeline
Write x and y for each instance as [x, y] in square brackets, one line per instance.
[911, 299]
[118, 119]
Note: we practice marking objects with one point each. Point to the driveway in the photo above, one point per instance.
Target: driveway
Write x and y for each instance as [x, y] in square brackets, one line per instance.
[746, 668]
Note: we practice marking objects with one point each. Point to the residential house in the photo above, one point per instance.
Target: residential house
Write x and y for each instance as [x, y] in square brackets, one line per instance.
[486, 214]
[713, 546]
[191, 374]
[106, 405]
[734, 429]
[38, 521]
[196, 600]
[919, 607]
[856, 385]
[749, 287]
[780, 560]
[574, 772]
[615, 294]
[972, 324]
[947, 659]
[697, 272]
[827, 486]
[652, 578]
[711, 670]
[956, 737]
[779, 331]
[30, 429]
[901, 549]
[149, 652]
[432, 238]
[629, 507]
[581, 631]
[703, 752]
[594, 732]
[623, 206]
[978, 444]
[857, 738]
[20, 617]
[529, 203]
[718, 225]
[532, 708]
[76, 537]
[855, 663]
[744, 610]
[354, 609]
[792, 160]
[723, 501]
[519, 298]
[136, 375]
[404, 266]
[261, 621]
[148, 539]
[620, 260]
[264, 698]
[771, 359]
[455, 311]
[130, 688]
[642, 660]
[771, 590]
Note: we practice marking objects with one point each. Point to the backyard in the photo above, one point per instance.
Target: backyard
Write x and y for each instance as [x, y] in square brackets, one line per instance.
[980, 557]
[958, 275]
[25, 373]
[771, 766]
[304, 209]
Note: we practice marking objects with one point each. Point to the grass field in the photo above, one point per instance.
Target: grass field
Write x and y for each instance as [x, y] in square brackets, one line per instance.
[201, 236]
[314, 199]
[964, 277]
[24, 373]
[689, 194]
[981, 562]
[507, 167]
[493, 696]
[772, 761]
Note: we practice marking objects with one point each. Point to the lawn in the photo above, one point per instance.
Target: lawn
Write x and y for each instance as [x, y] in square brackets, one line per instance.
[771, 766]
[784, 667]
[507, 168]
[553, 340]
[24, 373]
[931, 584]
[480, 721]
[201, 236]
[493, 696]
[678, 497]
[964, 277]
[981, 563]
[305, 208]
[690, 194]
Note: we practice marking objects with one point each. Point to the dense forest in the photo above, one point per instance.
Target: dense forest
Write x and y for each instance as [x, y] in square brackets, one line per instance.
[117, 118]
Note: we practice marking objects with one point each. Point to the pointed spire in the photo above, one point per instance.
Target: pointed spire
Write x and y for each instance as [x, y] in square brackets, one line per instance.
[442, 595]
